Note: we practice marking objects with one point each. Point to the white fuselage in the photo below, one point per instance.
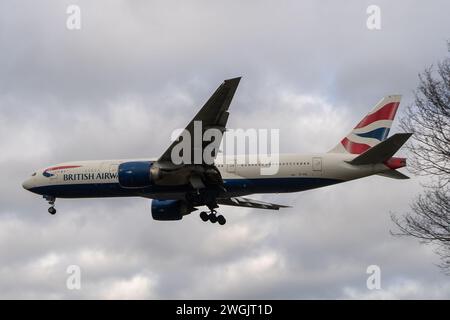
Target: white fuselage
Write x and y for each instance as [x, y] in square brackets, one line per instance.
[295, 172]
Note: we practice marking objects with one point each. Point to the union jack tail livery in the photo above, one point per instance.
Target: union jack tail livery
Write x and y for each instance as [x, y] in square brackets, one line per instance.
[372, 129]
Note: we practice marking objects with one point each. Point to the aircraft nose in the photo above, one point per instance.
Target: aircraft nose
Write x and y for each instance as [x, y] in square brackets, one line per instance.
[26, 184]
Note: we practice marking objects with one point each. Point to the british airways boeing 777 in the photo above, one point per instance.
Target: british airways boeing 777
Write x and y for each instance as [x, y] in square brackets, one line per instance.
[177, 189]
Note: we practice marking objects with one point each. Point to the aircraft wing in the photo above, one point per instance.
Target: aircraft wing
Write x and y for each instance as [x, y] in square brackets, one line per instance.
[249, 203]
[213, 115]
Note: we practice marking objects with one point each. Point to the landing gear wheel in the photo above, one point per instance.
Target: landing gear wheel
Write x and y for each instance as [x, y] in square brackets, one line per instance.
[51, 201]
[212, 218]
[221, 220]
[204, 216]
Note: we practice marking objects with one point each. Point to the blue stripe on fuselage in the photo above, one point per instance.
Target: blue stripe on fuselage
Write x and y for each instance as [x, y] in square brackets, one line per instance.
[233, 186]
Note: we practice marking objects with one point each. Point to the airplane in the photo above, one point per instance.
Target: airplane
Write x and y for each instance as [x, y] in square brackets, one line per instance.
[177, 189]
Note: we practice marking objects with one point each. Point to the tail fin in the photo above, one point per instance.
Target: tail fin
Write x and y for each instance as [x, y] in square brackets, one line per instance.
[372, 129]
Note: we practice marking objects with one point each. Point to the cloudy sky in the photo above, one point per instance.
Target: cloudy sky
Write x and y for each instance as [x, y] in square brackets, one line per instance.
[136, 70]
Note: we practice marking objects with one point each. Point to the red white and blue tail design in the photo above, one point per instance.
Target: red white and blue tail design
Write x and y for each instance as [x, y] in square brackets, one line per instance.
[372, 129]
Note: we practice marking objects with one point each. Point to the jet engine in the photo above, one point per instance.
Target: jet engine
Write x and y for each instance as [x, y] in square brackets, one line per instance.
[167, 210]
[137, 174]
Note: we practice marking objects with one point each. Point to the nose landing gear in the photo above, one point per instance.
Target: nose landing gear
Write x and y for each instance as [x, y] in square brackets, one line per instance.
[51, 201]
[213, 217]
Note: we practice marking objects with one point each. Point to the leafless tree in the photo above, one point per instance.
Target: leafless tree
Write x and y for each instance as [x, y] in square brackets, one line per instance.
[428, 118]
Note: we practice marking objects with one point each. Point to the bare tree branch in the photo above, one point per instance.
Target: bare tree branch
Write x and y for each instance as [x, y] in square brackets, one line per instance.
[428, 118]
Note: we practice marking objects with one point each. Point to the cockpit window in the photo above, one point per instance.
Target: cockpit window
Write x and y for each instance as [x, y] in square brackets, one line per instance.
[34, 173]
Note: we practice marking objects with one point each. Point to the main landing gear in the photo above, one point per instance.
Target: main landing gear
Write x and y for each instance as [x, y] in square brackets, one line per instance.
[213, 217]
[51, 201]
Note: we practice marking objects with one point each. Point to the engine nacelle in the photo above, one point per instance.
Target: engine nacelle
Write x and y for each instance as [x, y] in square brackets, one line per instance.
[169, 210]
[135, 174]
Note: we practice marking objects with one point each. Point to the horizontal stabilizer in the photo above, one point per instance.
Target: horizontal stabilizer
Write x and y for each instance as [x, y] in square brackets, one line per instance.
[394, 174]
[382, 151]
